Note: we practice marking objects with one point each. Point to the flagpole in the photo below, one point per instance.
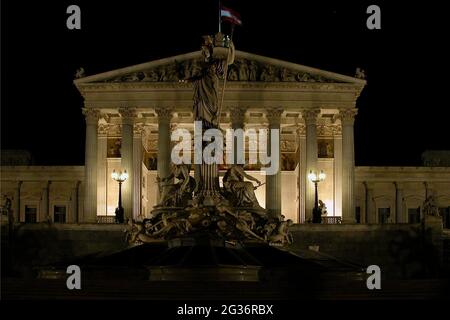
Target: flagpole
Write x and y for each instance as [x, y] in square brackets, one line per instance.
[220, 18]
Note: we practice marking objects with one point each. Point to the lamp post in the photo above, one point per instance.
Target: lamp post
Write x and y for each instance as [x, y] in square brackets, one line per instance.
[119, 177]
[314, 178]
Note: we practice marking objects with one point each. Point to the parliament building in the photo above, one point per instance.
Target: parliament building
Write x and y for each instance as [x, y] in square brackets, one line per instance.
[131, 112]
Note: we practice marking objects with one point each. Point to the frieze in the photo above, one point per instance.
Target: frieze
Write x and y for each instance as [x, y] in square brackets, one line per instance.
[341, 87]
[241, 70]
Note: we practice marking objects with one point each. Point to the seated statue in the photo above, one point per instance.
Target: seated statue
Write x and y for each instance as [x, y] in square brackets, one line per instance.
[242, 192]
[282, 235]
[177, 194]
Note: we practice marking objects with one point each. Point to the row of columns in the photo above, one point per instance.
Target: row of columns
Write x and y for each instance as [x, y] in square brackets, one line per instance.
[95, 168]
[95, 196]
[344, 165]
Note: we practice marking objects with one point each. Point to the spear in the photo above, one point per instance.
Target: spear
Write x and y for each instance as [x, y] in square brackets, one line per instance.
[225, 78]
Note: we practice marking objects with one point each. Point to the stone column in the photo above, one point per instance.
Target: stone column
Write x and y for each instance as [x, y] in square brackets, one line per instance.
[164, 161]
[348, 165]
[90, 166]
[273, 182]
[370, 205]
[44, 216]
[237, 116]
[102, 145]
[17, 202]
[301, 181]
[399, 214]
[310, 117]
[137, 164]
[337, 133]
[128, 117]
[74, 202]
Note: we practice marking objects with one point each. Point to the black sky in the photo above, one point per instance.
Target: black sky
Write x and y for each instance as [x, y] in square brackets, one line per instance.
[402, 111]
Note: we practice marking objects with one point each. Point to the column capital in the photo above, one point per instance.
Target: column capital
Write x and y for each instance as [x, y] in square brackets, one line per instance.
[128, 115]
[19, 184]
[310, 115]
[300, 130]
[164, 114]
[336, 130]
[91, 115]
[102, 130]
[273, 115]
[138, 129]
[237, 116]
[347, 116]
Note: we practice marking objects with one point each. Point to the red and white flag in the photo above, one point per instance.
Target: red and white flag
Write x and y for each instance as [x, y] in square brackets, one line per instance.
[230, 15]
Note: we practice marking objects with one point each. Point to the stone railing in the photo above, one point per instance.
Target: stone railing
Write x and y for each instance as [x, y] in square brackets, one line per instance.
[331, 220]
[106, 219]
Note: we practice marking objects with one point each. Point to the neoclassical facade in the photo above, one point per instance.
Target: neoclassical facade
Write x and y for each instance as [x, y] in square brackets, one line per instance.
[131, 112]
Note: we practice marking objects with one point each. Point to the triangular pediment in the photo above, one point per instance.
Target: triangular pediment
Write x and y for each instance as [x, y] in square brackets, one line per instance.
[247, 67]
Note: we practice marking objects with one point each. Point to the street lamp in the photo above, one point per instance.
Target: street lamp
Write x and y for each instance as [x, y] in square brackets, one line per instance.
[119, 177]
[312, 176]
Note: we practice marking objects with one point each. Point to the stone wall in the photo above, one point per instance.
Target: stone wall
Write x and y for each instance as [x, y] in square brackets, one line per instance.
[42, 243]
[401, 250]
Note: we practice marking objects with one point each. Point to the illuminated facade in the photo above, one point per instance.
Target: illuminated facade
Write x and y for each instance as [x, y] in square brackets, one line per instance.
[131, 112]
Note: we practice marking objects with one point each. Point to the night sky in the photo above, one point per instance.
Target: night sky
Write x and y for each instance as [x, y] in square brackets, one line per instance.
[402, 110]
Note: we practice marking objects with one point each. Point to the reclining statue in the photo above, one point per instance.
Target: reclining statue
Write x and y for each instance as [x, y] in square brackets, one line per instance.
[177, 194]
[241, 191]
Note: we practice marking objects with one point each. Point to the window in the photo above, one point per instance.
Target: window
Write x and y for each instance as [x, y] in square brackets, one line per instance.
[414, 215]
[30, 214]
[358, 214]
[445, 214]
[59, 214]
[383, 215]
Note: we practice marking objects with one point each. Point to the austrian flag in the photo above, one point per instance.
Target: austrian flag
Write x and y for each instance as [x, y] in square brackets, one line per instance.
[231, 16]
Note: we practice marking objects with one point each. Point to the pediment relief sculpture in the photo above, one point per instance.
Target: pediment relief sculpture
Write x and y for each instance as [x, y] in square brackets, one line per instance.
[242, 70]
